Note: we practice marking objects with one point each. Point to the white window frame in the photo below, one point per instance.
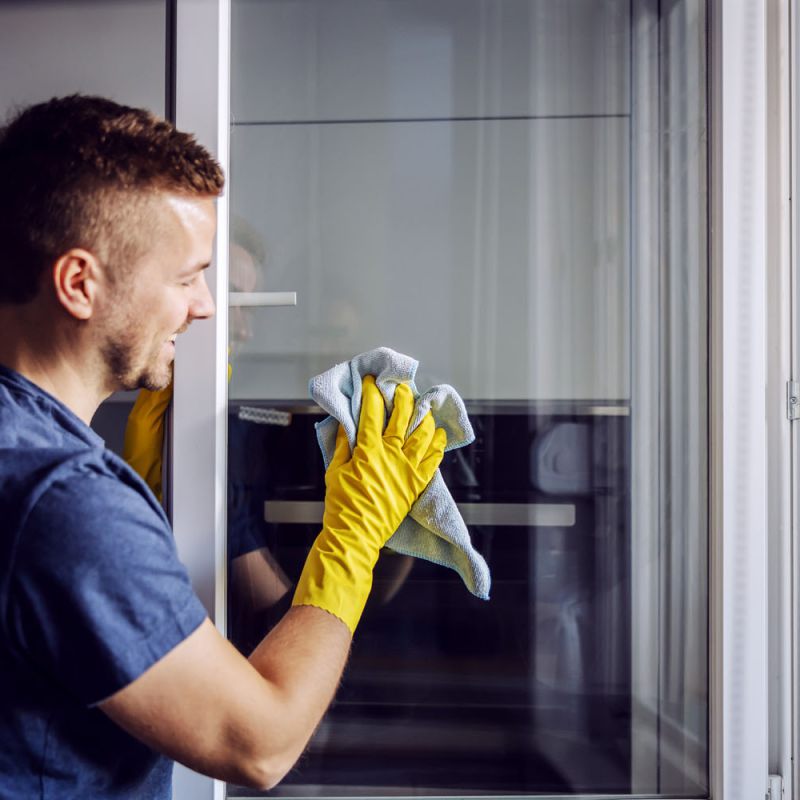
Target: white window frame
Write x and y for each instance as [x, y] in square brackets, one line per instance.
[781, 352]
[200, 402]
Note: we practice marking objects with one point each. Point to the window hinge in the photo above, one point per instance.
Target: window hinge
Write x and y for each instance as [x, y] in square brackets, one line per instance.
[774, 787]
[793, 399]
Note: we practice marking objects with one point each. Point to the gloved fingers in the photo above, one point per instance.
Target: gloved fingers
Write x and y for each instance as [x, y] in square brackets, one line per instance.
[341, 453]
[417, 444]
[372, 417]
[401, 414]
[433, 456]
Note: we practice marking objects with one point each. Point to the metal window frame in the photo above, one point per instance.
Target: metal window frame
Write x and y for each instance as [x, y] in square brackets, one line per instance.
[739, 322]
[739, 437]
[781, 64]
[199, 431]
[785, 674]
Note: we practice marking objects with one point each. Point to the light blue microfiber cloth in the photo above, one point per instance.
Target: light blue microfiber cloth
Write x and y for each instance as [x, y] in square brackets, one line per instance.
[434, 529]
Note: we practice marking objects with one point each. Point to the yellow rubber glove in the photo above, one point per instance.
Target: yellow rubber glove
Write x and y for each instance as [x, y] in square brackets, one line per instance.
[144, 436]
[367, 497]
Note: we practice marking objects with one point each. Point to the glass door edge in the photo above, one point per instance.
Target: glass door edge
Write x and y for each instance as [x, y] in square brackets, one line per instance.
[200, 401]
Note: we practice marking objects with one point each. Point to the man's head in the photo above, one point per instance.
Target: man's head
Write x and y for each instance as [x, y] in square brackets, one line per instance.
[109, 209]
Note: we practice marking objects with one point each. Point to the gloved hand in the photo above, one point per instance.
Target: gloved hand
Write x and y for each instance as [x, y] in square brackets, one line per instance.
[367, 497]
[144, 436]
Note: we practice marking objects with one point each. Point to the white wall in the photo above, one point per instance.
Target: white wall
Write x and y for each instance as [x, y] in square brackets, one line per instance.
[55, 47]
[115, 48]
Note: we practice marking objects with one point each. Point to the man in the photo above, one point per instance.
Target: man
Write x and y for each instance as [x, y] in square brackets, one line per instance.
[109, 667]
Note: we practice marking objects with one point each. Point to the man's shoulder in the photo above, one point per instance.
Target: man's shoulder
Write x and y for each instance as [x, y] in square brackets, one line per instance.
[92, 489]
[46, 451]
[75, 506]
[90, 476]
[63, 495]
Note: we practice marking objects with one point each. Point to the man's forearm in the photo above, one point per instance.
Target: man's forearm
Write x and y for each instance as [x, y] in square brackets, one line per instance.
[303, 658]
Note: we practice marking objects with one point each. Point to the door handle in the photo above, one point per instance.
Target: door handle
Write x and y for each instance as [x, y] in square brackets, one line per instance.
[257, 299]
[526, 515]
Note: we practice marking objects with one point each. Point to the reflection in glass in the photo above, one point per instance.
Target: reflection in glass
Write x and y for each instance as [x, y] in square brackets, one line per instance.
[513, 192]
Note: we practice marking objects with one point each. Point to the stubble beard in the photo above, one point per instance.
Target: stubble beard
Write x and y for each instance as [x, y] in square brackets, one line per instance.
[132, 370]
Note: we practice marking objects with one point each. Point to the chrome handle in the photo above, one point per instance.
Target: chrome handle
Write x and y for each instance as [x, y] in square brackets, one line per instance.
[262, 298]
[526, 515]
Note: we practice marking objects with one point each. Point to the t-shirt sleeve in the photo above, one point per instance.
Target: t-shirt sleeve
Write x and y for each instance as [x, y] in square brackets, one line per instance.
[98, 594]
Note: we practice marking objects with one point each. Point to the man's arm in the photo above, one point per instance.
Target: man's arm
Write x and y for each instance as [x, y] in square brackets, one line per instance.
[242, 721]
[247, 722]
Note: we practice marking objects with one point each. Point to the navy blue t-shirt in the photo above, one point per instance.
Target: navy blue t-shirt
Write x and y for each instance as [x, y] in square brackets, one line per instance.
[91, 594]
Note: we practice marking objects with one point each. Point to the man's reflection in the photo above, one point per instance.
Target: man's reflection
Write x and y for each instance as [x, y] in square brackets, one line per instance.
[258, 584]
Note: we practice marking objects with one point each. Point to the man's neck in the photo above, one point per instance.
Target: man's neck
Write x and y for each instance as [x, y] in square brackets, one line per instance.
[45, 352]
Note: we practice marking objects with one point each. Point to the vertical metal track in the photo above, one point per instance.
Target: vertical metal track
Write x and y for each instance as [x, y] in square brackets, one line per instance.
[171, 11]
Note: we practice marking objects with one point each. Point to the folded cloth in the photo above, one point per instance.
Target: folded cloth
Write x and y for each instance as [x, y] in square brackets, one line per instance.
[434, 529]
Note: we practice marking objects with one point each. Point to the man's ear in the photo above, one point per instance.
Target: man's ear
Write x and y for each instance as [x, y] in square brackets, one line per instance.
[75, 280]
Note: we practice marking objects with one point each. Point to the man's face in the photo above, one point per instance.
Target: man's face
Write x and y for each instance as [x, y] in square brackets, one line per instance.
[161, 294]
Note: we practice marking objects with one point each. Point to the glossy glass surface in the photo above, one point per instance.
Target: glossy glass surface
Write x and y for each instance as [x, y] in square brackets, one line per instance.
[513, 192]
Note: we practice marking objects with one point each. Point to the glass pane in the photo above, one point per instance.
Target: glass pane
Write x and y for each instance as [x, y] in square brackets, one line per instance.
[512, 192]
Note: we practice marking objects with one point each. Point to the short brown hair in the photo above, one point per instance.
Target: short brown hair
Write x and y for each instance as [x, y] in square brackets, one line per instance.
[73, 172]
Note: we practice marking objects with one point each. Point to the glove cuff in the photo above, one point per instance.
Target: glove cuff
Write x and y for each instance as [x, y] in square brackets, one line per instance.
[336, 580]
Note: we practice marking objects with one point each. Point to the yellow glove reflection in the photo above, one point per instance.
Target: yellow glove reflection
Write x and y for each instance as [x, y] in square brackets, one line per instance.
[367, 497]
[144, 436]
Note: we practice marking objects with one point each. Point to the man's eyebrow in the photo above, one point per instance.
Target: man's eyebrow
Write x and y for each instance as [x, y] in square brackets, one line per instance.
[196, 268]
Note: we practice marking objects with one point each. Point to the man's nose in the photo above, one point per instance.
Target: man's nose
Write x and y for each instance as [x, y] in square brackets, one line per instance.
[202, 306]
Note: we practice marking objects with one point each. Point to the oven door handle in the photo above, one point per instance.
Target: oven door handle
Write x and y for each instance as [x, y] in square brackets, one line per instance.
[525, 515]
